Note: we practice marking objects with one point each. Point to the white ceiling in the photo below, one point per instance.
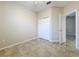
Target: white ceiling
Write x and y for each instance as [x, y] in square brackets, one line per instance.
[40, 5]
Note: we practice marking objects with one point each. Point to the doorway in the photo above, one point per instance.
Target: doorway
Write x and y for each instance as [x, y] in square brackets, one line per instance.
[44, 28]
[71, 30]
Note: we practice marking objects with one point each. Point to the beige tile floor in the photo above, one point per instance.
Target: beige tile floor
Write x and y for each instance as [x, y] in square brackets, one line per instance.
[39, 48]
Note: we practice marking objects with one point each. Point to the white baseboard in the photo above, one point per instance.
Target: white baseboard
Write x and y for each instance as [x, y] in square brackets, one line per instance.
[77, 48]
[49, 40]
[17, 43]
[53, 41]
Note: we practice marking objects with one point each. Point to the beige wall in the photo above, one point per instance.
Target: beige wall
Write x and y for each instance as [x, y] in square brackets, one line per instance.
[72, 6]
[44, 13]
[16, 24]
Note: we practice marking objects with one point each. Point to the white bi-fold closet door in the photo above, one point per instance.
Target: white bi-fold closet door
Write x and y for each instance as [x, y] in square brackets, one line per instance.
[44, 28]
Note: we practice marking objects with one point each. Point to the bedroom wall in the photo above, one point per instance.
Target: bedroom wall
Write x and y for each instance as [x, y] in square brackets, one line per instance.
[16, 24]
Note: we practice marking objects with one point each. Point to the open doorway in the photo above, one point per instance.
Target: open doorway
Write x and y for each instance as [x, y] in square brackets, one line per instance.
[71, 30]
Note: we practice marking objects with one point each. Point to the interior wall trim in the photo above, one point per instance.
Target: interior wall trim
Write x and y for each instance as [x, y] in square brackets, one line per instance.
[18, 43]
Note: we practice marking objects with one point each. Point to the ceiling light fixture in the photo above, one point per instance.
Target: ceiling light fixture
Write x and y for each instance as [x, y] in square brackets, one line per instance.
[48, 2]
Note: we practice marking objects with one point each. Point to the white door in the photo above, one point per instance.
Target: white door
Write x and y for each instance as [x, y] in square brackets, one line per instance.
[43, 28]
[60, 28]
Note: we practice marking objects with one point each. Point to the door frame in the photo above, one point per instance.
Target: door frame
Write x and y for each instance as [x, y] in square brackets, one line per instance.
[76, 19]
[49, 36]
[60, 28]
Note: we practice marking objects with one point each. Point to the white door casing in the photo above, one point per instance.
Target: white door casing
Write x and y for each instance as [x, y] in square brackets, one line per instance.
[76, 24]
[60, 28]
